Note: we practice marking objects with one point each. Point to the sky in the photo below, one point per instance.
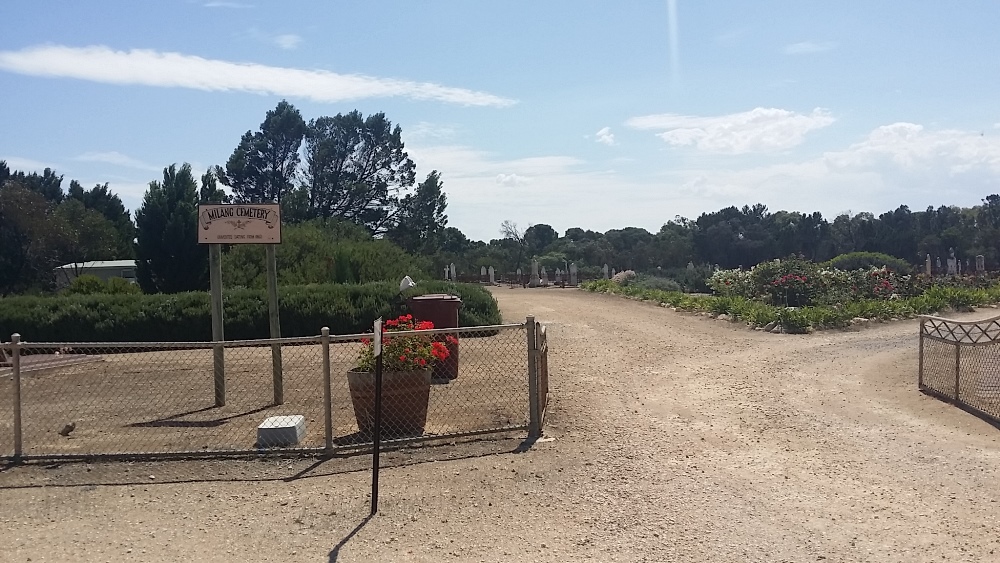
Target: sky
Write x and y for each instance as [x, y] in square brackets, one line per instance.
[598, 115]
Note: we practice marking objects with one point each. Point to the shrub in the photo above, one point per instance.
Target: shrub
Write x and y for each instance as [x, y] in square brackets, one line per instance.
[624, 277]
[658, 283]
[89, 284]
[867, 260]
[304, 310]
[792, 282]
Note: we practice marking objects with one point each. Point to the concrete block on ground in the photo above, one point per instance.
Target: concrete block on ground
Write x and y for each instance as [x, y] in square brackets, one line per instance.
[281, 431]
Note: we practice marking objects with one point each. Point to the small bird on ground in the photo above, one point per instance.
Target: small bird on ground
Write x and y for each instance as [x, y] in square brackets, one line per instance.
[67, 429]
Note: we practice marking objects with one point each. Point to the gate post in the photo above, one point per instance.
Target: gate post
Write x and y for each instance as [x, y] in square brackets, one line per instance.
[327, 393]
[920, 368]
[15, 353]
[958, 362]
[534, 423]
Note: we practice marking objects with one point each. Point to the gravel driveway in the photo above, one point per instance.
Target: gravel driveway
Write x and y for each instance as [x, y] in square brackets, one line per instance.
[670, 437]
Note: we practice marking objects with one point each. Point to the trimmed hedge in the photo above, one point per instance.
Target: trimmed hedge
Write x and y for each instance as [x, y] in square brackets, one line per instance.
[183, 317]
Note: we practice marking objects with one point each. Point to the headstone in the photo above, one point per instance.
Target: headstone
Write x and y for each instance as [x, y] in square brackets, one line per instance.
[535, 280]
[545, 277]
[980, 263]
[558, 275]
[572, 273]
[613, 272]
[927, 265]
[952, 262]
[937, 264]
[454, 274]
[492, 274]
[690, 265]
[604, 271]
[446, 270]
[482, 271]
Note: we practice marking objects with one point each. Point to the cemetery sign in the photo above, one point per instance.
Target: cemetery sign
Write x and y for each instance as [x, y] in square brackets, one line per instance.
[251, 223]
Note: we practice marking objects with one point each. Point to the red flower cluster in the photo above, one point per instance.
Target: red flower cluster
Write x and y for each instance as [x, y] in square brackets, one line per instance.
[404, 351]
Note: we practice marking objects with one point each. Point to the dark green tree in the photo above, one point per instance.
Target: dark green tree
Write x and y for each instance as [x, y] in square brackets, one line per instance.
[356, 169]
[421, 218]
[539, 237]
[103, 201]
[264, 164]
[168, 256]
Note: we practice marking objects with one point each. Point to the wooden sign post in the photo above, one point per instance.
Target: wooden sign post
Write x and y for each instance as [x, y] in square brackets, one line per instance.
[243, 223]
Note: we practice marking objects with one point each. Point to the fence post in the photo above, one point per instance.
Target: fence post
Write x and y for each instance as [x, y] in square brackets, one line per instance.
[920, 368]
[15, 359]
[534, 426]
[327, 393]
[958, 361]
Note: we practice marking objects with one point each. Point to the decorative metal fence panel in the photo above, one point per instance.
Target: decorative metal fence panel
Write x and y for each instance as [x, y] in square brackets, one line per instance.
[960, 362]
[160, 399]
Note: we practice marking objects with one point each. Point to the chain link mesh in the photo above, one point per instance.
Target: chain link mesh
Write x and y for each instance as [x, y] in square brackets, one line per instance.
[961, 362]
[97, 399]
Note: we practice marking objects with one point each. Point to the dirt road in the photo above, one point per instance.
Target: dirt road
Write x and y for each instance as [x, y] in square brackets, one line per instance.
[670, 437]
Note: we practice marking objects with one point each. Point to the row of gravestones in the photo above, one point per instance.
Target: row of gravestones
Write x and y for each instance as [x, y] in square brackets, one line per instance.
[954, 264]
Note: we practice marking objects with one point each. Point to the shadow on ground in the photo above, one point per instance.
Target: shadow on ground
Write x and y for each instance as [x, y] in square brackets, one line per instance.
[37, 474]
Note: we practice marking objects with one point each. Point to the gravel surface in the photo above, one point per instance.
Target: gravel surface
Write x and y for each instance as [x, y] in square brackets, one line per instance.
[670, 437]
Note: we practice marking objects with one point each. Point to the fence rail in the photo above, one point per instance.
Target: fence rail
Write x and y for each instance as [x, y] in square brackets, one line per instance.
[960, 362]
[160, 399]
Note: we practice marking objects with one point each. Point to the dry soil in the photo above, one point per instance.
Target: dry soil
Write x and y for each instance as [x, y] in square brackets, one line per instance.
[670, 437]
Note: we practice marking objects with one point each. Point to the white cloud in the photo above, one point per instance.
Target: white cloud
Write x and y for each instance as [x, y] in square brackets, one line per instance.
[116, 158]
[758, 130]
[605, 136]
[512, 180]
[227, 5]
[153, 68]
[807, 47]
[287, 41]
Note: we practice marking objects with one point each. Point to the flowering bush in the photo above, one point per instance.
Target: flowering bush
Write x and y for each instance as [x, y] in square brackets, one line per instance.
[624, 277]
[733, 283]
[405, 352]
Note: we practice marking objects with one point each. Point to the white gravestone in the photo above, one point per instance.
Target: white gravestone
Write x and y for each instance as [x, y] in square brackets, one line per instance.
[454, 274]
[572, 273]
[446, 270]
[604, 271]
[927, 265]
[544, 277]
[535, 281]
[492, 274]
[980, 263]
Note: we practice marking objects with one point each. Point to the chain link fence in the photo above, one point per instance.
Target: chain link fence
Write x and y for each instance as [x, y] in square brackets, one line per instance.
[960, 363]
[63, 400]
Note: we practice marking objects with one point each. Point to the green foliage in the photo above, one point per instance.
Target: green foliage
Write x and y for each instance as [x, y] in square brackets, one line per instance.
[263, 165]
[89, 284]
[321, 252]
[168, 256]
[356, 167]
[659, 283]
[866, 260]
[801, 319]
[182, 317]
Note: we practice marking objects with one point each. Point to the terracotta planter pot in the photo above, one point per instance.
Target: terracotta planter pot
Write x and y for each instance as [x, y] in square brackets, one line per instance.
[404, 402]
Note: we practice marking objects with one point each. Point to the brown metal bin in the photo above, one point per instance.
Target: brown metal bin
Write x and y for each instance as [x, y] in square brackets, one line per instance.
[442, 310]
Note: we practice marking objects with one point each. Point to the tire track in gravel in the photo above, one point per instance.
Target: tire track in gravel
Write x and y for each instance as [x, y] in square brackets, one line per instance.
[714, 442]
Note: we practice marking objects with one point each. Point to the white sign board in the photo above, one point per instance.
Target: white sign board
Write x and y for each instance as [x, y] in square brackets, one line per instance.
[250, 223]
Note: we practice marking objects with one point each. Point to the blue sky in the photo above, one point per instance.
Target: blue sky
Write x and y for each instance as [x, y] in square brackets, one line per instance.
[572, 113]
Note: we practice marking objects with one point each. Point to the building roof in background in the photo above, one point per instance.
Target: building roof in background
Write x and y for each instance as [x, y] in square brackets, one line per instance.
[98, 264]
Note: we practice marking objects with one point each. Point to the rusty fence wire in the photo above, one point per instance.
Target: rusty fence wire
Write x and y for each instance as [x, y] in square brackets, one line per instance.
[960, 362]
[61, 400]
